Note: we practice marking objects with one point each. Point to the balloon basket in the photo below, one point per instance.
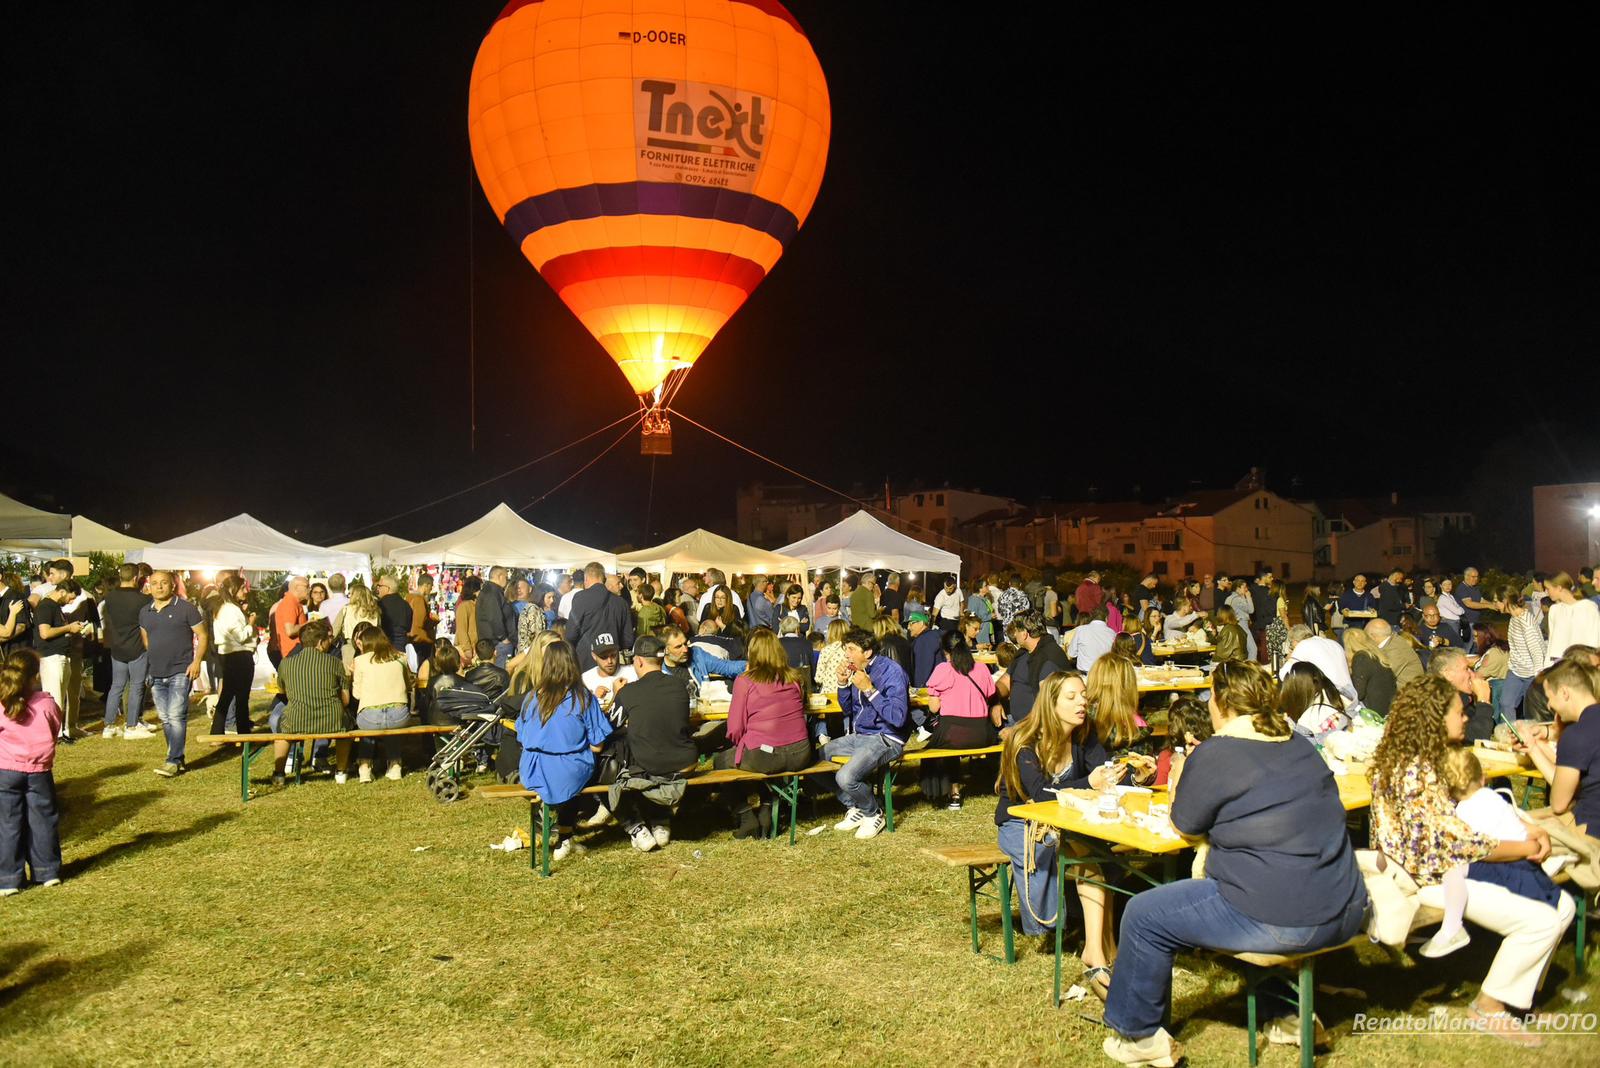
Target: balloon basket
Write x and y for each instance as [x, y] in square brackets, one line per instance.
[655, 435]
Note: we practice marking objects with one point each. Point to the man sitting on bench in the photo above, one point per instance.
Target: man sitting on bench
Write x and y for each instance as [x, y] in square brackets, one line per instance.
[656, 748]
[873, 692]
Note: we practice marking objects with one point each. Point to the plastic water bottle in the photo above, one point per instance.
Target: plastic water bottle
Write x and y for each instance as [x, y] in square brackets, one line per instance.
[1110, 803]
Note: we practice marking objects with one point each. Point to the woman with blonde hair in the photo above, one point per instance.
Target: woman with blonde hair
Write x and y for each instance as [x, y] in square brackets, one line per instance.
[1055, 747]
[381, 683]
[1280, 871]
[1373, 680]
[1113, 687]
[361, 608]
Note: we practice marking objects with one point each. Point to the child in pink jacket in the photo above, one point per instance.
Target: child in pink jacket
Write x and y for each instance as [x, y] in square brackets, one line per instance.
[29, 720]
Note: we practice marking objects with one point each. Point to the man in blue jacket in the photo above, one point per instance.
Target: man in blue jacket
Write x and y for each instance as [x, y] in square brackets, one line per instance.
[873, 691]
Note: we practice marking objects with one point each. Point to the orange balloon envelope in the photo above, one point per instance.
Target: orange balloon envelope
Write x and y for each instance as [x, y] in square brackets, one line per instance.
[652, 158]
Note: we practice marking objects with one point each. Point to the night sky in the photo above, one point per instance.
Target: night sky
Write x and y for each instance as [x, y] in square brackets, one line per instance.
[1112, 246]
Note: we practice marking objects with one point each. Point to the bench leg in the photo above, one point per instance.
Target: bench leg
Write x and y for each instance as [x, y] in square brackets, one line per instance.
[1308, 1031]
[248, 754]
[1004, 873]
[1250, 1015]
[888, 797]
[973, 882]
[1578, 951]
[539, 831]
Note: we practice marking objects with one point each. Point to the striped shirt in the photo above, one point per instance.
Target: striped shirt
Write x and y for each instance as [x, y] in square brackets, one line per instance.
[1526, 644]
[312, 682]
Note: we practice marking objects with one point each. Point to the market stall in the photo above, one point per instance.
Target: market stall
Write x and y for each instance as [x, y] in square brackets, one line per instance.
[502, 537]
[246, 542]
[862, 543]
[697, 550]
[380, 548]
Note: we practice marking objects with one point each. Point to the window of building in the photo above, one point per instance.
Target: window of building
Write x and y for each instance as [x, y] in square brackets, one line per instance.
[938, 500]
[1188, 569]
[1052, 549]
[1159, 567]
[1285, 572]
[1128, 548]
[1027, 552]
[918, 499]
[1402, 550]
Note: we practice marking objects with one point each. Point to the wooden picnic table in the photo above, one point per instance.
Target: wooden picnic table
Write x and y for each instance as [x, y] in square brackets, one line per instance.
[1173, 684]
[1126, 845]
[1185, 649]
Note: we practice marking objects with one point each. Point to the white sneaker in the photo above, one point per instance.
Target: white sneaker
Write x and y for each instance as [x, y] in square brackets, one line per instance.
[601, 817]
[111, 732]
[137, 731]
[394, 772]
[366, 772]
[871, 826]
[51, 882]
[924, 734]
[1159, 1049]
[822, 740]
[643, 840]
[340, 778]
[851, 821]
[661, 833]
[1285, 1031]
[563, 850]
[10, 890]
[1438, 946]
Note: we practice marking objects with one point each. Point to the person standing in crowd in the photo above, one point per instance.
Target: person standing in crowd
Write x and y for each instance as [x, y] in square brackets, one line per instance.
[597, 612]
[893, 601]
[52, 639]
[1392, 602]
[1573, 620]
[16, 621]
[978, 608]
[334, 603]
[1525, 645]
[1206, 598]
[864, 602]
[78, 608]
[233, 635]
[1473, 604]
[793, 607]
[872, 692]
[566, 589]
[1013, 602]
[288, 616]
[363, 608]
[531, 623]
[1147, 596]
[175, 637]
[496, 622]
[1242, 602]
[647, 615]
[713, 580]
[1088, 596]
[1263, 610]
[1357, 599]
[424, 623]
[521, 597]
[947, 606]
[1044, 658]
[466, 623]
[396, 612]
[129, 662]
[29, 819]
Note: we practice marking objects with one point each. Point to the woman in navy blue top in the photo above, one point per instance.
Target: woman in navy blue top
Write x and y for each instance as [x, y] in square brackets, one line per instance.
[1280, 877]
[560, 729]
[1054, 747]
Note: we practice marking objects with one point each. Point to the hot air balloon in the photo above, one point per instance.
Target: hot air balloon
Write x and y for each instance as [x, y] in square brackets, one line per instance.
[652, 159]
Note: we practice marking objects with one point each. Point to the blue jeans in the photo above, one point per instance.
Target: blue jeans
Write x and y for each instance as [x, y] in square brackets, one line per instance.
[1512, 691]
[1038, 893]
[1160, 922]
[28, 828]
[172, 705]
[129, 678]
[502, 652]
[868, 754]
[382, 718]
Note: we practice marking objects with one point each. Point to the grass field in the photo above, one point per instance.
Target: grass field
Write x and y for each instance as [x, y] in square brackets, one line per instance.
[370, 924]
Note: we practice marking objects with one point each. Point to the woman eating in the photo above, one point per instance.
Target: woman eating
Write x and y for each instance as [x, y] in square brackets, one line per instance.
[1414, 825]
[1055, 748]
[766, 724]
[1280, 876]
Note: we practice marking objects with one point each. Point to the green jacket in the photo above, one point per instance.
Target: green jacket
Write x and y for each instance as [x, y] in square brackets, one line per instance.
[863, 608]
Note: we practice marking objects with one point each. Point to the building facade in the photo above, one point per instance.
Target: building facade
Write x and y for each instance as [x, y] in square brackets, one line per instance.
[1566, 526]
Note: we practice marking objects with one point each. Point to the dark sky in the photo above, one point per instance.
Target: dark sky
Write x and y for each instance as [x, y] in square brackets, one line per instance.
[1108, 245]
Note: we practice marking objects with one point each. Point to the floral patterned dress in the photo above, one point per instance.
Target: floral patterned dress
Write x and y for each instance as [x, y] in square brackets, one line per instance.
[1414, 824]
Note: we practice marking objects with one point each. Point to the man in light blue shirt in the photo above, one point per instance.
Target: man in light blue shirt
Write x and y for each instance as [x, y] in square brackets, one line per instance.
[1091, 641]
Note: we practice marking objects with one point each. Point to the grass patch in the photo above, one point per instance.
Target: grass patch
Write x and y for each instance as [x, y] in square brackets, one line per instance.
[306, 926]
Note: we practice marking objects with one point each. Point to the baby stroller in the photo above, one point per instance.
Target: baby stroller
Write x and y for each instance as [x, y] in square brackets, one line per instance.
[479, 720]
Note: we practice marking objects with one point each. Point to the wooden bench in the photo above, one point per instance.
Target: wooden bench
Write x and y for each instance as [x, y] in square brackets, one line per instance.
[912, 759]
[256, 742]
[986, 865]
[1258, 967]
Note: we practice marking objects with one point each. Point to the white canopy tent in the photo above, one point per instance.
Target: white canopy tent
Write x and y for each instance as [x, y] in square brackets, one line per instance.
[90, 537]
[862, 543]
[380, 548]
[699, 549]
[502, 537]
[244, 541]
[27, 530]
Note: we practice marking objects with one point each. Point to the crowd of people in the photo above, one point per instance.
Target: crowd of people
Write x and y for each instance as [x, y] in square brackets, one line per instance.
[602, 673]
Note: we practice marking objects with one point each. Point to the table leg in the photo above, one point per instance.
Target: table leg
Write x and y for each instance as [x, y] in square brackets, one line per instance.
[888, 796]
[1005, 911]
[1061, 902]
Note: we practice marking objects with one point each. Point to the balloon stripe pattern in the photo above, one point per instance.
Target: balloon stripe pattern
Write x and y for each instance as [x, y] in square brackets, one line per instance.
[651, 158]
